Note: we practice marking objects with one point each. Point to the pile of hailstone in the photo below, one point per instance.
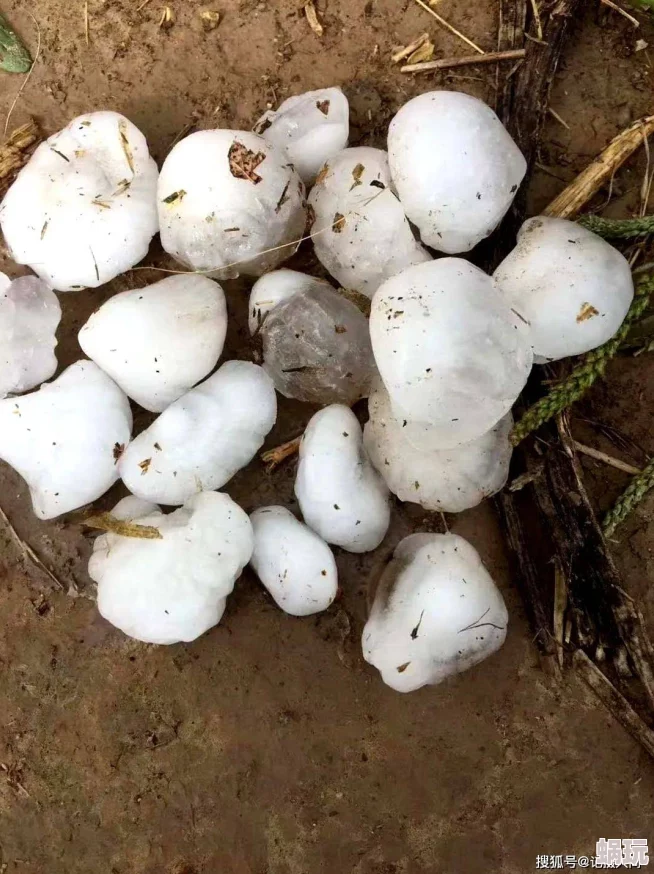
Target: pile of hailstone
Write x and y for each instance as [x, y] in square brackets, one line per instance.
[441, 353]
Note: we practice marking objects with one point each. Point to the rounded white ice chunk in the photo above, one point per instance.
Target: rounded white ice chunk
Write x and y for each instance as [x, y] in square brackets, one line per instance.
[455, 167]
[451, 352]
[173, 588]
[83, 210]
[362, 235]
[310, 127]
[292, 562]
[448, 480]
[341, 495]
[29, 316]
[64, 439]
[276, 287]
[158, 342]
[437, 612]
[201, 440]
[572, 286]
[225, 199]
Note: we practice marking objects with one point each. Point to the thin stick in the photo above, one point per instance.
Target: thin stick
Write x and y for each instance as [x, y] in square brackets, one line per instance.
[448, 26]
[27, 77]
[86, 21]
[589, 182]
[598, 455]
[622, 12]
[560, 605]
[274, 457]
[27, 552]
[558, 118]
[401, 54]
[143, 5]
[447, 63]
[539, 24]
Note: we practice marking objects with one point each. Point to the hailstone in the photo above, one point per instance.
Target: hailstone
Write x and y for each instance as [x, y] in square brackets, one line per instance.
[572, 286]
[29, 316]
[437, 612]
[201, 440]
[158, 342]
[360, 232]
[83, 210]
[65, 439]
[316, 347]
[455, 168]
[293, 563]
[341, 495]
[173, 588]
[311, 127]
[452, 354]
[275, 287]
[230, 203]
[450, 480]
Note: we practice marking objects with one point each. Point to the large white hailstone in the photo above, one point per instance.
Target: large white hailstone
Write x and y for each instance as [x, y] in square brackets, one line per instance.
[225, 199]
[341, 495]
[292, 562]
[361, 234]
[310, 127]
[455, 167]
[572, 287]
[158, 342]
[173, 588]
[437, 612]
[65, 439]
[451, 352]
[201, 440]
[83, 210]
[275, 287]
[449, 480]
[29, 316]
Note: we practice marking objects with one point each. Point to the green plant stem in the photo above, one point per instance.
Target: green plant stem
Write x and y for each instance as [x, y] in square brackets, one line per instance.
[638, 487]
[14, 57]
[618, 229]
[585, 374]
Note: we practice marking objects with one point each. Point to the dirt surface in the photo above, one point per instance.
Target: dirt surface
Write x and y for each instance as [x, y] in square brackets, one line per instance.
[268, 746]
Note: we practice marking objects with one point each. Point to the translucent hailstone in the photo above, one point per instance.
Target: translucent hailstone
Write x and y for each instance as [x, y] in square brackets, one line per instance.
[340, 494]
[158, 342]
[316, 347]
[173, 588]
[437, 612]
[310, 127]
[83, 210]
[292, 562]
[29, 316]
[572, 287]
[455, 167]
[450, 480]
[65, 438]
[452, 354]
[277, 286]
[201, 440]
[361, 233]
[227, 197]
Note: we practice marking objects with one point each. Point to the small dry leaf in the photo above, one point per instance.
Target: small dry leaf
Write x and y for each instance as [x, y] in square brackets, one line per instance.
[641, 45]
[402, 668]
[425, 52]
[79, 153]
[123, 186]
[339, 223]
[119, 448]
[357, 173]
[323, 106]
[210, 19]
[125, 144]
[44, 228]
[145, 465]
[324, 172]
[102, 203]
[175, 198]
[284, 197]
[243, 162]
[312, 18]
[167, 18]
[586, 312]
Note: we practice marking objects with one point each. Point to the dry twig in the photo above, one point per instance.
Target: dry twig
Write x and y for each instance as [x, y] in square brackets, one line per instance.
[27, 552]
[448, 63]
[622, 12]
[401, 54]
[274, 457]
[448, 26]
[312, 17]
[598, 455]
[29, 74]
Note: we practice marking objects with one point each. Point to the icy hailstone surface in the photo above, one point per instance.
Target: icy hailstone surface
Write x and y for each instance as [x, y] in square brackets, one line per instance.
[572, 287]
[64, 439]
[29, 316]
[450, 480]
[455, 167]
[277, 286]
[452, 354]
[340, 494]
[316, 347]
[293, 563]
[437, 612]
[361, 233]
[158, 342]
[310, 127]
[225, 198]
[175, 588]
[201, 440]
[83, 210]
